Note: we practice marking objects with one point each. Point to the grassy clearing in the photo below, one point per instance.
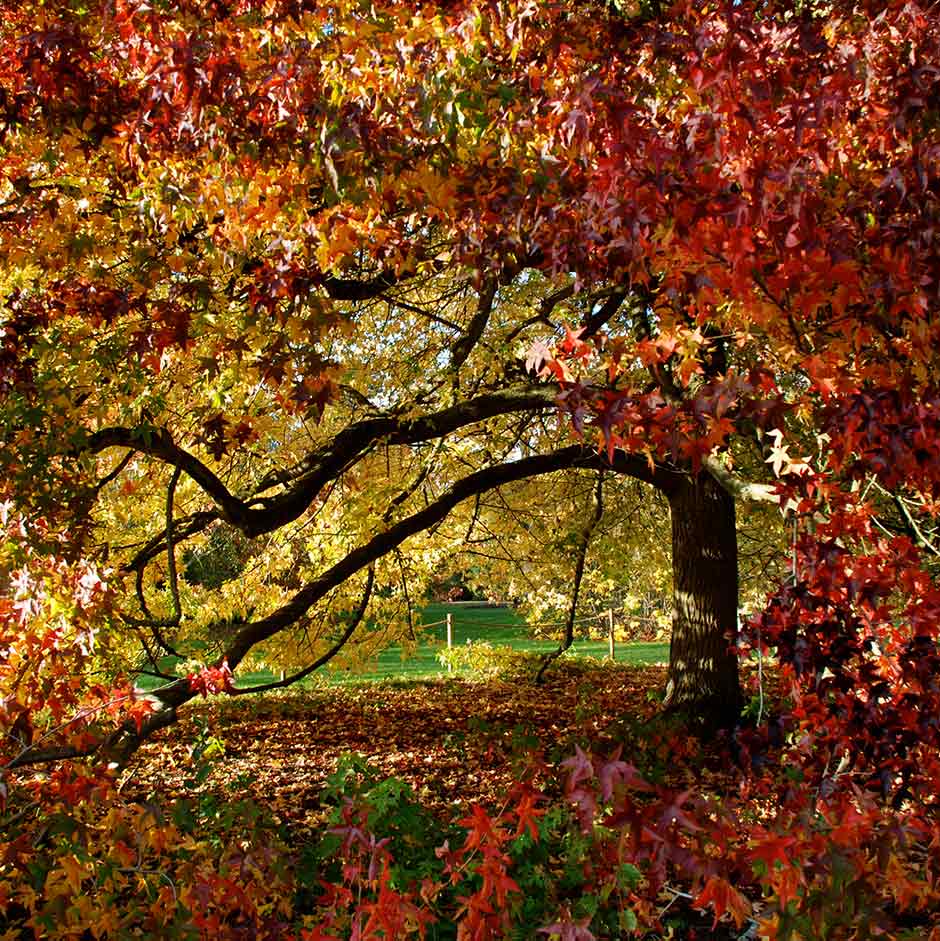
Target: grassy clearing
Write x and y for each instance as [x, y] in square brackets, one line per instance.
[499, 626]
[502, 627]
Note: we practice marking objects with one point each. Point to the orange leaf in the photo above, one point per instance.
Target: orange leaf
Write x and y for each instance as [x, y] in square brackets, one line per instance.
[723, 897]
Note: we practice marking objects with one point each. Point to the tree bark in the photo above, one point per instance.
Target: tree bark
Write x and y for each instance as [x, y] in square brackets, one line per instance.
[703, 666]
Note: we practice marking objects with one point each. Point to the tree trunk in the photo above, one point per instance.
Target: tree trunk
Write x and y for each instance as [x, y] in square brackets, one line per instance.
[703, 665]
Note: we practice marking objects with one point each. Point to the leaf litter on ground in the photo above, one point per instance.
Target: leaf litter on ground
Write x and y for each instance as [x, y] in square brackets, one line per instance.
[455, 741]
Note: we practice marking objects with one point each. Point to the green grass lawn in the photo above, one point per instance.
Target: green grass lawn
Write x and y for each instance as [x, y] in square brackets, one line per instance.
[498, 626]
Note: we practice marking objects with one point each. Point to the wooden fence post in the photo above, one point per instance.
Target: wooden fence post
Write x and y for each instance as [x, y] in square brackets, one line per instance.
[611, 645]
[450, 635]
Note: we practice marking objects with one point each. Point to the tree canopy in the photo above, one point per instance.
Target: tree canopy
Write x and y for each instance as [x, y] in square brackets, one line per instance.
[321, 276]
[290, 290]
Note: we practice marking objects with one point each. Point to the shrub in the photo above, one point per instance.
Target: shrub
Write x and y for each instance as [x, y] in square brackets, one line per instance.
[479, 659]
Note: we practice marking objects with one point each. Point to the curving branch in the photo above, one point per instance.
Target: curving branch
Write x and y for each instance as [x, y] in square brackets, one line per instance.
[114, 745]
[421, 312]
[738, 488]
[260, 514]
[171, 550]
[592, 323]
[115, 473]
[916, 533]
[155, 624]
[350, 289]
[183, 528]
[465, 344]
[158, 442]
[543, 315]
[354, 623]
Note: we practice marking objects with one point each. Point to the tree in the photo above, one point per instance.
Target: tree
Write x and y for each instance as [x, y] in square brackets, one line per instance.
[324, 275]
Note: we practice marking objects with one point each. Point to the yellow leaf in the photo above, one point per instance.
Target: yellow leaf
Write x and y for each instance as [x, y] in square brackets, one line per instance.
[74, 872]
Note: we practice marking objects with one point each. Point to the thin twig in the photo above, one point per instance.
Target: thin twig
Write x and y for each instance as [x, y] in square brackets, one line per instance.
[116, 472]
[578, 576]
